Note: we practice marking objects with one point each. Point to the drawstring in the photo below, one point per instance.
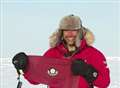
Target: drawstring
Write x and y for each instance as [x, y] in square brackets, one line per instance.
[91, 85]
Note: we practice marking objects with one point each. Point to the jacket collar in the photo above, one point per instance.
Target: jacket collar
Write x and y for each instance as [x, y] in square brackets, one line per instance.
[63, 49]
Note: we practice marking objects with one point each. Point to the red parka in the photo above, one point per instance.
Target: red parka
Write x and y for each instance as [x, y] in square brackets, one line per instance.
[91, 56]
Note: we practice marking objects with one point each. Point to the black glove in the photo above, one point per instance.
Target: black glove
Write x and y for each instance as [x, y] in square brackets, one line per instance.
[20, 61]
[79, 67]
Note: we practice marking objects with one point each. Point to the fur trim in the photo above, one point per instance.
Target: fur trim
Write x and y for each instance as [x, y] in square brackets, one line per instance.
[89, 37]
[55, 38]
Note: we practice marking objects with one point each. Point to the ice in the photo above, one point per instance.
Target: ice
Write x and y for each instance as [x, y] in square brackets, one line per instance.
[9, 76]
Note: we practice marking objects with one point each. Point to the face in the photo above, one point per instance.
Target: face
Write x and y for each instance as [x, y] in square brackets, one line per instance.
[70, 36]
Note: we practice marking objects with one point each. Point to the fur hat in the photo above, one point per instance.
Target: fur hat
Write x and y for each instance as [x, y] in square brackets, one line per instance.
[71, 22]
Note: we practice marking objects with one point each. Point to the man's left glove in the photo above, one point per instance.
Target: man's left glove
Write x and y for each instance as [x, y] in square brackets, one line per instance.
[79, 67]
[20, 61]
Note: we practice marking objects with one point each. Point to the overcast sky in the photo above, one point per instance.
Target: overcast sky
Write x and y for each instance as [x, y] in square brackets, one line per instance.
[27, 25]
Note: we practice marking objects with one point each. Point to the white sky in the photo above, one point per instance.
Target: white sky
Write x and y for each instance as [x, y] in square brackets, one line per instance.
[26, 25]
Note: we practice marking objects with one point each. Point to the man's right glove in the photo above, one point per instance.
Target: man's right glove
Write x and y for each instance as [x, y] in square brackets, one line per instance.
[20, 61]
[79, 67]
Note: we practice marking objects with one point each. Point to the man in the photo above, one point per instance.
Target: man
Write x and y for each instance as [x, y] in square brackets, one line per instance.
[73, 41]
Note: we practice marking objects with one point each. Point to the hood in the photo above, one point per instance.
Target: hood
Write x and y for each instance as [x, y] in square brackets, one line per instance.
[55, 38]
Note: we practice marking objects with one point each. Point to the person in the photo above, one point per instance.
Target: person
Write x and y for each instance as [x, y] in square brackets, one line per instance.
[74, 41]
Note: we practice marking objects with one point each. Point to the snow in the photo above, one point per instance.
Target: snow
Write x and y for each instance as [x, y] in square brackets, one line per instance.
[8, 74]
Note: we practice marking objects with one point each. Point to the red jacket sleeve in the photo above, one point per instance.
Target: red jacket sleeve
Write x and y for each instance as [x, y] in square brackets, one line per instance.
[52, 52]
[103, 79]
